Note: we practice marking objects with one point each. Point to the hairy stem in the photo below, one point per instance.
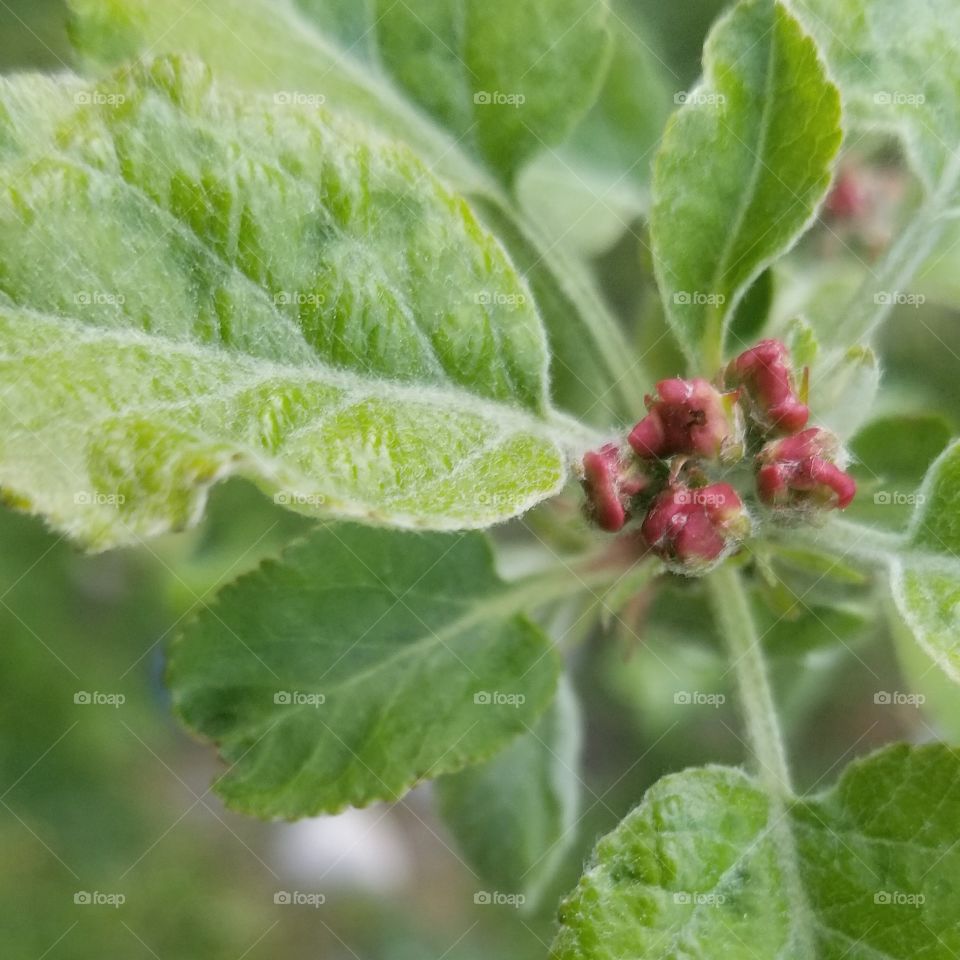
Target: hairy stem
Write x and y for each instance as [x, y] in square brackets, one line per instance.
[732, 611]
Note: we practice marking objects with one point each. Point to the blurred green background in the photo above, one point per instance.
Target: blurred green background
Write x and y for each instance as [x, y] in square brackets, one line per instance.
[114, 799]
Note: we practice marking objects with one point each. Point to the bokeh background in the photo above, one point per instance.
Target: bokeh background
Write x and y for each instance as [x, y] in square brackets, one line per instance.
[115, 799]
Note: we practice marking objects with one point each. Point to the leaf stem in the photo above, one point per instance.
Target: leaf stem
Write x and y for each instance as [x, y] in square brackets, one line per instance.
[731, 608]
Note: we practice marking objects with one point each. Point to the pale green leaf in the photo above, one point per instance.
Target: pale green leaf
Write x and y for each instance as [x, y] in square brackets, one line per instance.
[507, 78]
[360, 663]
[515, 816]
[301, 51]
[896, 67]
[698, 871]
[296, 50]
[925, 572]
[196, 283]
[741, 170]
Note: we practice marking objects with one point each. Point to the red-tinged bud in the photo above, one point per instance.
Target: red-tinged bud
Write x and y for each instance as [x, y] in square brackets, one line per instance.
[848, 198]
[764, 373]
[692, 528]
[689, 417]
[802, 470]
[611, 479]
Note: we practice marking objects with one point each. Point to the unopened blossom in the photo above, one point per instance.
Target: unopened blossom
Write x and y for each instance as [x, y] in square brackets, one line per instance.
[611, 479]
[687, 417]
[764, 374]
[693, 527]
[803, 470]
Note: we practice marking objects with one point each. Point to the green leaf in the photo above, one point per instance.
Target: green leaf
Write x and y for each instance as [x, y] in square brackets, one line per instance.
[925, 572]
[268, 292]
[515, 816]
[890, 458]
[301, 50]
[506, 78]
[587, 192]
[595, 374]
[698, 870]
[359, 664]
[893, 63]
[842, 398]
[741, 170]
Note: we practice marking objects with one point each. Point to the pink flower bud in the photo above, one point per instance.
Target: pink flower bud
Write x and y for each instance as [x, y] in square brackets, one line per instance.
[765, 374]
[611, 481]
[848, 198]
[693, 527]
[690, 417]
[801, 470]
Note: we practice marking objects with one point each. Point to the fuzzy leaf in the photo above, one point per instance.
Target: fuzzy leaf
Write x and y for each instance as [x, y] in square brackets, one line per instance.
[267, 292]
[514, 817]
[895, 67]
[358, 664]
[925, 574]
[741, 170]
[697, 870]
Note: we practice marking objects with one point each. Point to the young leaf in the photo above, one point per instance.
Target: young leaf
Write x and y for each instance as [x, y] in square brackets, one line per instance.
[895, 67]
[697, 871]
[508, 78]
[360, 663]
[269, 293]
[514, 817]
[741, 170]
[925, 574]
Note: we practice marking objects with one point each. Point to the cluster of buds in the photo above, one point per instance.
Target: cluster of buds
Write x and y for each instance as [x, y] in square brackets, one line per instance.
[670, 470]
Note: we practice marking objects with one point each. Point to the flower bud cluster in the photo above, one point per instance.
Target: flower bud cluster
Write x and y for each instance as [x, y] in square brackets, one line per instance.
[669, 470]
